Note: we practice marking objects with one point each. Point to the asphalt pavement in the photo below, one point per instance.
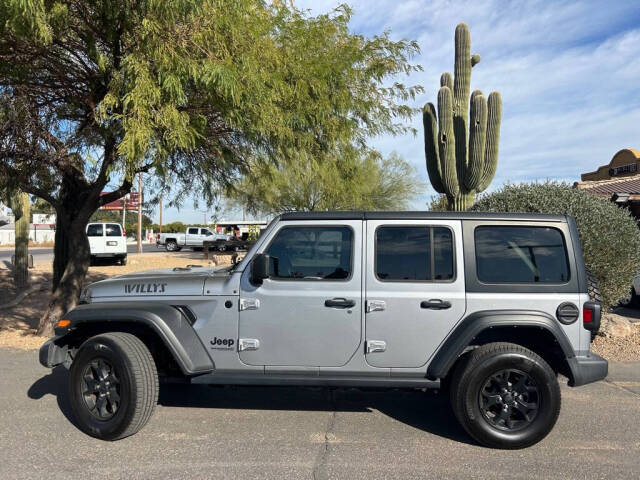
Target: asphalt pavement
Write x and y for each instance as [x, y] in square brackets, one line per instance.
[280, 433]
[42, 255]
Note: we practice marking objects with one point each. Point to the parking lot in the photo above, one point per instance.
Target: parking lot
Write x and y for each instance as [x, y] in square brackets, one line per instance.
[245, 432]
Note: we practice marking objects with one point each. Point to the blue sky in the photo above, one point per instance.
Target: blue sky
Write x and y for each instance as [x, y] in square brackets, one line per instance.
[568, 72]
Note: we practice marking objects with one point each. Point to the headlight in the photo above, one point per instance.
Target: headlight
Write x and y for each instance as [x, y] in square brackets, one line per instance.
[85, 296]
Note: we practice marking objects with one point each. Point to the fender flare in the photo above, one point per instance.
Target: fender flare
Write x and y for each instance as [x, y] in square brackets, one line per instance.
[472, 325]
[166, 321]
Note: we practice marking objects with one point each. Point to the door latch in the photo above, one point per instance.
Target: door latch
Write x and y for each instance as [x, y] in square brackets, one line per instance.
[376, 305]
[248, 344]
[249, 304]
[376, 346]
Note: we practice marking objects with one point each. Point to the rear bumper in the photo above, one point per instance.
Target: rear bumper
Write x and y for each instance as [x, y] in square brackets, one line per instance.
[588, 369]
[109, 255]
[52, 354]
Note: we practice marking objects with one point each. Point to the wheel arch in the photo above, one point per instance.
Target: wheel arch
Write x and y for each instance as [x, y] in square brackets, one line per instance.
[537, 331]
[162, 327]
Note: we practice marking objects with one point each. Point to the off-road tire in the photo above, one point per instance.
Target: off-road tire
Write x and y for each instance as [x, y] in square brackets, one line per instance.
[469, 378]
[138, 384]
[171, 246]
[593, 288]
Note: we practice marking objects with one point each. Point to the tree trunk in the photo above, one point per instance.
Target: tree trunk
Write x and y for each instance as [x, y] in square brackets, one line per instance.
[71, 262]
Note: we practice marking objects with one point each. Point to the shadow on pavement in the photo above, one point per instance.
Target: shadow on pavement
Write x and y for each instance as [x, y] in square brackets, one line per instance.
[426, 411]
[54, 384]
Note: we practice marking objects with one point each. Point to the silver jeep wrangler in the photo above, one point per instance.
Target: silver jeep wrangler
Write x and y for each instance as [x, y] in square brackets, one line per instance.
[489, 307]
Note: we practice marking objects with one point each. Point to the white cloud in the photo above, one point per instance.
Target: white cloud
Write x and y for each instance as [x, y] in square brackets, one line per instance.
[568, 72]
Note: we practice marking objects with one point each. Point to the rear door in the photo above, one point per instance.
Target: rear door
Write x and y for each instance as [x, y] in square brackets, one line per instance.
[95, 233]
[415, 292]
[114, 240]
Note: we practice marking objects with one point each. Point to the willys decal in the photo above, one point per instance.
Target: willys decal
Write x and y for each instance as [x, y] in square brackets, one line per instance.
[145, 288]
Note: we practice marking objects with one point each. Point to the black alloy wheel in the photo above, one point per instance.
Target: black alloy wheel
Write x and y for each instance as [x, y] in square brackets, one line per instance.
[509, 400]
[101, 389]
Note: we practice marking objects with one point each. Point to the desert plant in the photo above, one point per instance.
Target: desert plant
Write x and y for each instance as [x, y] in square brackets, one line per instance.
[21, 207]
[609, 234]
[461, 160]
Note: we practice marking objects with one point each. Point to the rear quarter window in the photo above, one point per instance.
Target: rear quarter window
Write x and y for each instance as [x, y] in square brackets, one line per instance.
[94, 230]
[521, 254]
[113, 230]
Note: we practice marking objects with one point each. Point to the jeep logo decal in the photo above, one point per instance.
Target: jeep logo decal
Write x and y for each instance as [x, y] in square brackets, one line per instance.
[145, 288]
[222, 343]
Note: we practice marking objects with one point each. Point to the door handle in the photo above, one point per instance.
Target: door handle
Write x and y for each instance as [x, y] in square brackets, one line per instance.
[339, 303]
[435, 304]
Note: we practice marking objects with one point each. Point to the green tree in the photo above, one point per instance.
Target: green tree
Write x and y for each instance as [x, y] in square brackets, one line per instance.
[345, 180]
[94, 92]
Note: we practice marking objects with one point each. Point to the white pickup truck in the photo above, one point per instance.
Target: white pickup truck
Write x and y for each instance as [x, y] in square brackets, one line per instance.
[192, 238]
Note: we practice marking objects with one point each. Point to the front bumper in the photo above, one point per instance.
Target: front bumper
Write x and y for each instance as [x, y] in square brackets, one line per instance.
[588, 369]
[53, 353]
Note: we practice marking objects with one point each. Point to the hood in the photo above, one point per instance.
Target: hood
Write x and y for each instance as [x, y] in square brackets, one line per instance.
[162, 282]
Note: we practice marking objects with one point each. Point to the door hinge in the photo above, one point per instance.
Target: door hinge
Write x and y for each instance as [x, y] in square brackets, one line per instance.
[248, 344]
[249, 304]
[376, 305]
[376, 346]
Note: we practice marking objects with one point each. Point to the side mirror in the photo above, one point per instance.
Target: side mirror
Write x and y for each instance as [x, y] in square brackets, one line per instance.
[260, 268]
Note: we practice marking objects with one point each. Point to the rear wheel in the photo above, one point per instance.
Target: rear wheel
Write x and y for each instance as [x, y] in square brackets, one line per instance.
[505, 396]
[113, 385]
[171, 246]
[123, 261]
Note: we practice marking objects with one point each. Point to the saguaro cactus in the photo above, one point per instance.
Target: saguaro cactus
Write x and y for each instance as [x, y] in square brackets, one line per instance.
[21, 207]
[461, 159]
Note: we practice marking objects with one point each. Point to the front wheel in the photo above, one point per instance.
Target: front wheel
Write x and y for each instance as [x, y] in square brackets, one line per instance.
[505, 396]
[113, 385]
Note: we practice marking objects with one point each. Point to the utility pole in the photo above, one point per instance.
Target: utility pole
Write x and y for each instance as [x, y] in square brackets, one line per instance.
[140, 212]
[124, 211]
[160, 214]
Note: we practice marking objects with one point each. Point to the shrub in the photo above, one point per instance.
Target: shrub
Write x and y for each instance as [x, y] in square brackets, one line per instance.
[609, 234]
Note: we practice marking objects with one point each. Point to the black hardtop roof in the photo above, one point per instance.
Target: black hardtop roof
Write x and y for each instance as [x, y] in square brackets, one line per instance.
[420, 215]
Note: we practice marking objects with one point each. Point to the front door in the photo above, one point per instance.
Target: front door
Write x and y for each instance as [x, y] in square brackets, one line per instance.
[415, 291]
[308, 313]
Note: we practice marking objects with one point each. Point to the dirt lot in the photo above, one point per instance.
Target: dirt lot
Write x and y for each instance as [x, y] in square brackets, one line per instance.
[18, 323]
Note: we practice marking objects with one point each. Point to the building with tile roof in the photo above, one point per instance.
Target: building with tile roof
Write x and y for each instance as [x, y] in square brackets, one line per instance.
[618, 181]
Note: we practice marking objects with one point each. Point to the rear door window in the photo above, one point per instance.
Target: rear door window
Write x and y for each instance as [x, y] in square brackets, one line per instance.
[94, 230]
[513, 254]
[192, 231]
[414, 253]
[113, 230]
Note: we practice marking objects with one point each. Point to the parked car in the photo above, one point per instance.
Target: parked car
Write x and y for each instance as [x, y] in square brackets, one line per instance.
[489, 307]
[192, 238]
[231, 244]
[633, 299]
[107, 240]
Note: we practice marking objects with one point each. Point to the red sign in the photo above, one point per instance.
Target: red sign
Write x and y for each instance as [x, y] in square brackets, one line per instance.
[131, 201]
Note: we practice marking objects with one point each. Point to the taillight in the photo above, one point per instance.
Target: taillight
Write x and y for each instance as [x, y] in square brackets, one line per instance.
[591, 313]
[124, 232]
